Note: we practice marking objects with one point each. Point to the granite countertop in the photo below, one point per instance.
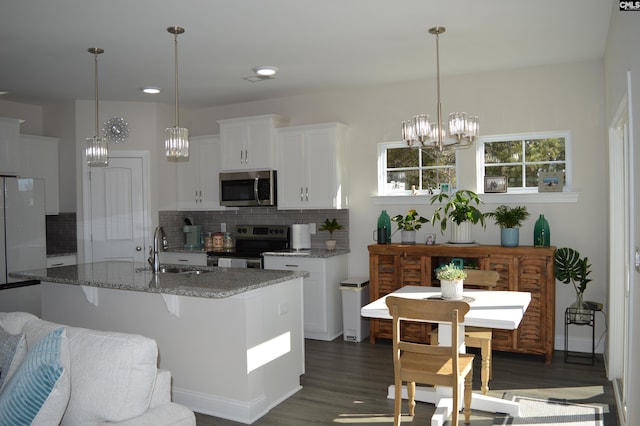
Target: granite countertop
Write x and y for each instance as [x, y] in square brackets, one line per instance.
[214, 283]
[311, 253]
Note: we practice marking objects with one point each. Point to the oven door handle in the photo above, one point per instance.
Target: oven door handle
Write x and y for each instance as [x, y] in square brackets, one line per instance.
[255, 190]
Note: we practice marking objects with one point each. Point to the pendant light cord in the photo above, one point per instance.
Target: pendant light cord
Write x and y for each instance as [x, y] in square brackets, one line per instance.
[175, 35]
[96, 88]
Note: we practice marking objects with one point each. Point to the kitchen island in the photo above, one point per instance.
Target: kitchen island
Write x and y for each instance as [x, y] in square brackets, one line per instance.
[232, 338]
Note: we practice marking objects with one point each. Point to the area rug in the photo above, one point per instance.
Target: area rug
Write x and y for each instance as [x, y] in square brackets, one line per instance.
[546, 412]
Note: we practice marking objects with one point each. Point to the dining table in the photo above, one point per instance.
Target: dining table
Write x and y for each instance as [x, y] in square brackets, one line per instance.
[488, 309]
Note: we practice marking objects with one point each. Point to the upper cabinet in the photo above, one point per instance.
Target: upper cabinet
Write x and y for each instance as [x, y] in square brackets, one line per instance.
[312, 167]
[247, 143]
[38, 158]
[9, 139]
[198, 187]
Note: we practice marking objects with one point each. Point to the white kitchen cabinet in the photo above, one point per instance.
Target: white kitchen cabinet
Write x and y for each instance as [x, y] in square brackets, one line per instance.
[9, 152]
[57, 261]
[312, 167]
[248, 143]
[39, 159]
[321, 291]
[198, 187]
[181, 258]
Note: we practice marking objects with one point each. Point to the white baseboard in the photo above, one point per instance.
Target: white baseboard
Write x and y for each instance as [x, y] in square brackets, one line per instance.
[245, 412]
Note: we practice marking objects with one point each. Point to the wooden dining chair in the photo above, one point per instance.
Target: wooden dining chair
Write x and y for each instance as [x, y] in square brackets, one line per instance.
[478, 337]
[428, 364]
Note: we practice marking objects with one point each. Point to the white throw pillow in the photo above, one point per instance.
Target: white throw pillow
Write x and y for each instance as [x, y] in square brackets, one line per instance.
[113, 373]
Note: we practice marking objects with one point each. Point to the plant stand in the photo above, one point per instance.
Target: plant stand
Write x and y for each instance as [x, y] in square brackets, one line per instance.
[587, 318]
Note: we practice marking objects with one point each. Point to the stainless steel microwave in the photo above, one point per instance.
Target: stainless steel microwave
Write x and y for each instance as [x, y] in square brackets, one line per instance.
[248, 189]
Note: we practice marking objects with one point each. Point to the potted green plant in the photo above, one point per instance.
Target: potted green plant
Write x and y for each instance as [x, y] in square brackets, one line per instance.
[569, 267]
[408, 225]
[331, 226]
[451, 281]
[459, 208]
[509, 219]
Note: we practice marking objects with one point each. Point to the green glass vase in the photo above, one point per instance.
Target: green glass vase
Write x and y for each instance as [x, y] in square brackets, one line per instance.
[384, 222]
[541, 233]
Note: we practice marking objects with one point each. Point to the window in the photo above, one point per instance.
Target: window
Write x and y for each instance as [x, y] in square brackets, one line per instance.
[522, 157]
[400, 168]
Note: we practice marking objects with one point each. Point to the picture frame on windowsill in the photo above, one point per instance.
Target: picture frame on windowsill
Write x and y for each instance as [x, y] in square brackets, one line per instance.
[550, 181]
[495, 184]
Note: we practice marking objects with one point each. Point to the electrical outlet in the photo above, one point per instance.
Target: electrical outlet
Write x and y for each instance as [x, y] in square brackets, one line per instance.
[223, 227]
[312, 228]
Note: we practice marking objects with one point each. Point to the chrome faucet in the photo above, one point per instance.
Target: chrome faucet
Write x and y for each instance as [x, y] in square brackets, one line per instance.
[154, 257]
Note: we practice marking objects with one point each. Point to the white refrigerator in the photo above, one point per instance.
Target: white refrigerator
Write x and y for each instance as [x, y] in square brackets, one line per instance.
[23, 237]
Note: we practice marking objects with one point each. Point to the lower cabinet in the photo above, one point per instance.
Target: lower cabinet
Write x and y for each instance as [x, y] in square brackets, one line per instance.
[524, 268]
[180, 258]
[321, 292]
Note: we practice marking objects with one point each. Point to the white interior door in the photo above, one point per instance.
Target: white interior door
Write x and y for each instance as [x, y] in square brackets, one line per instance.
[118, 210]
[621, 213]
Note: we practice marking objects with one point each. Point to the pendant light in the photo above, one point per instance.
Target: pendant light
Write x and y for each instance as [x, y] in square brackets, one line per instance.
[176, 143]
[419, 132]
[96, 150]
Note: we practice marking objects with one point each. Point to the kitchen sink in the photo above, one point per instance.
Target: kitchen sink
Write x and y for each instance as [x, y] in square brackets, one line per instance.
[177, 270]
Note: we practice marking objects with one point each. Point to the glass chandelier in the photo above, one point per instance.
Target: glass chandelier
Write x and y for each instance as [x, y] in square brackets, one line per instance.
[421, 132]
[176, 143]
[96, 150]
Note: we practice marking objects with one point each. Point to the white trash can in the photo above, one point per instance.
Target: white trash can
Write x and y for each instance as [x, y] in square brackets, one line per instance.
[355, 294]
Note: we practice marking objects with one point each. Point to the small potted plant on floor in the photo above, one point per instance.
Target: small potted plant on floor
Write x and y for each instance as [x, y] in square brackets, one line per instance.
[408, 225]
[459, 208]
[570, 268]
[509, 219]
[451, 281]
[331, 226]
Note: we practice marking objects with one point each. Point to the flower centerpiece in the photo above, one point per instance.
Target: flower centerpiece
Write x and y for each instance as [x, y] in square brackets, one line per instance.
[409, 224]
[451, 281]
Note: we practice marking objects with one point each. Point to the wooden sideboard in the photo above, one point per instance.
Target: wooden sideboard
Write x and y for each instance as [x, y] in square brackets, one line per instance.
[523, 268]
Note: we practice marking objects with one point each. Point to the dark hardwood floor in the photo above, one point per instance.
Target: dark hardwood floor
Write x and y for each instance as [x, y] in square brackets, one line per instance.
[346, 383]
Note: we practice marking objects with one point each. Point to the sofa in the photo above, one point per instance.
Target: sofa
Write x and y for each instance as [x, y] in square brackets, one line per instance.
[52, 374]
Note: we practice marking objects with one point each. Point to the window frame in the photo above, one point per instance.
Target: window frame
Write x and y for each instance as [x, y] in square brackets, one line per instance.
[480, 142]
[382, 170]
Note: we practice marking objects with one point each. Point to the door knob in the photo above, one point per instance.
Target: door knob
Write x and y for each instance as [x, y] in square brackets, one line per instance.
[138, 248]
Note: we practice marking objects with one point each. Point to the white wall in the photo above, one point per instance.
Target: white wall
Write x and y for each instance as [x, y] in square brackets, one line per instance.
[621, 56]
[561, 97]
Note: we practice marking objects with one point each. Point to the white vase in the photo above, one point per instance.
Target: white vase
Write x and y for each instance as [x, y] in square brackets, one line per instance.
[408, 237]
[330, 244]
[461, 234]
[451, 289]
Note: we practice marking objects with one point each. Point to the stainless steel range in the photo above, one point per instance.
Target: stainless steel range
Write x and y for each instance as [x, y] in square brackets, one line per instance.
[250, 242]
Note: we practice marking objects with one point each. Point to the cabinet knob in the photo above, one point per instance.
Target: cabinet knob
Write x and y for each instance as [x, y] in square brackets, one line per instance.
[138, 248]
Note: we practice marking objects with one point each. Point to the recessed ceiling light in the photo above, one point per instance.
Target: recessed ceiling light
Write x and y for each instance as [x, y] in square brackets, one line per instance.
[3, 93]
[152, 90]
[265, 71]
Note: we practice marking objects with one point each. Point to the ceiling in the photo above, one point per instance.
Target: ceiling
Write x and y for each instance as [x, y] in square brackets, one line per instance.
[316, 44]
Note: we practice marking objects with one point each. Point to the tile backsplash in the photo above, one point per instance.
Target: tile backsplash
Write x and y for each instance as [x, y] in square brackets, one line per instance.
[210, 221]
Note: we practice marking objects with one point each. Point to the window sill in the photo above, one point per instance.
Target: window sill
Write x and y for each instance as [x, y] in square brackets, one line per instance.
[501, 198]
